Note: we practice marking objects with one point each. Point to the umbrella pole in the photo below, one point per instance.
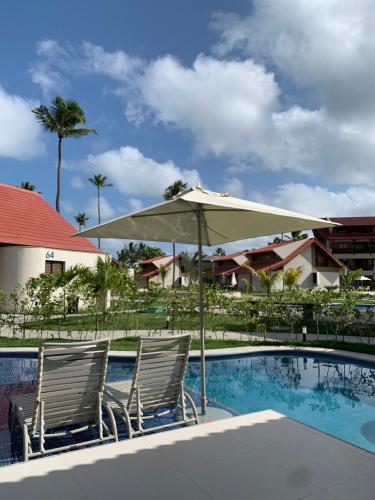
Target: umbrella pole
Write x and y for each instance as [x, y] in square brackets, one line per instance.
[201, 316]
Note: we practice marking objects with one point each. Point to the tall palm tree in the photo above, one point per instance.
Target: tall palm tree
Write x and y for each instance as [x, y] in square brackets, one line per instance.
[268, 280]
[100, 182]
[81, 219]
[347, 279]
[170, 192]
[163, 270]
[291, 277]
[62, 119]
[28, 186]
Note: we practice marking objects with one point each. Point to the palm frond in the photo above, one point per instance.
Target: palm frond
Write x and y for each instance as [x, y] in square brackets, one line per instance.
[79, 132]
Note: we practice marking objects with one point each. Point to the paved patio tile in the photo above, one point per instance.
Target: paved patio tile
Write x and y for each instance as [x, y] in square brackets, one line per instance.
[361, 487]
[261, 456]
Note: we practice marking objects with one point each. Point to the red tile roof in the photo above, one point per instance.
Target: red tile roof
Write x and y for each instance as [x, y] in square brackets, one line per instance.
[27, 219]
[306, 243]
[151, 261]
[367, 220]
[228, 268]
[230, 256]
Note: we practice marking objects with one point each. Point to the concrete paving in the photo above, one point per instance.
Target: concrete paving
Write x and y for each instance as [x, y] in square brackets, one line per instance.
[228, 335]
[261, 456]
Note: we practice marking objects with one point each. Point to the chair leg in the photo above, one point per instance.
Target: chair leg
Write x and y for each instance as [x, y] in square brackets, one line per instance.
[193, 407]
[113, 421]
[128, 422]
[25, 443]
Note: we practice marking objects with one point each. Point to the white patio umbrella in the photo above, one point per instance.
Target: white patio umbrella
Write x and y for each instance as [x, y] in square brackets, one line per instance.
[233, 281]
[363, 278]
[202, 217]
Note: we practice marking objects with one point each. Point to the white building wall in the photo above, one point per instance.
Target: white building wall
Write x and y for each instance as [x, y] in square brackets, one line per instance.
[326, 276]
[18, 264]
[142, 282]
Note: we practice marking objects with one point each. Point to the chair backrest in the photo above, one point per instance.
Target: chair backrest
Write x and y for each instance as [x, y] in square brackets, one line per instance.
[70, 383]
[159, 371]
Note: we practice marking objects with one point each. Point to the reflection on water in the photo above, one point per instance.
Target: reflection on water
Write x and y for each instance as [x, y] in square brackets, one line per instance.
[332, 395]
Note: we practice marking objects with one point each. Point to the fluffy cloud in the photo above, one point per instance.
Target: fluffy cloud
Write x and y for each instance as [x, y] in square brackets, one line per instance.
[325, 45]
[21, 135]
[234, 186]
[77, 182]
[134, 174]
[135, 204]
[225, 104]
[319, 201]
[106, 210]
[56, 63]
[236, 110]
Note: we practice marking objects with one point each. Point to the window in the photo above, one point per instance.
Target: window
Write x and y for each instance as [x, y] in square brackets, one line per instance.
[315, 278]
[54, 267]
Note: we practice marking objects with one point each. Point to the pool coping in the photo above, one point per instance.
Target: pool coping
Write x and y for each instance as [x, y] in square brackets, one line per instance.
[231, 351]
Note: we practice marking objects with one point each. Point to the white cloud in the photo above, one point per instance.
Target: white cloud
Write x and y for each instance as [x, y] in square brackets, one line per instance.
[319, 201]
[234, 187]
[134, 174]
[325, 45]
[56, 64]
[135, 204]
[68, 206]
[21, 135]
[225, 104]
[106, 210]
[235, 109]
[77, 182]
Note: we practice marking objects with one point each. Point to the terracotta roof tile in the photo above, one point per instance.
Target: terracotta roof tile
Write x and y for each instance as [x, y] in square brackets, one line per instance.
[27, 219]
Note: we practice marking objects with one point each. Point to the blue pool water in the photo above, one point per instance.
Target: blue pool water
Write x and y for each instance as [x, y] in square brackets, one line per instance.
[334, 395]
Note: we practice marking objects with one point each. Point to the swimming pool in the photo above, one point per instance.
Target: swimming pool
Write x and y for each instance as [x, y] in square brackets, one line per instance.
[335, 395]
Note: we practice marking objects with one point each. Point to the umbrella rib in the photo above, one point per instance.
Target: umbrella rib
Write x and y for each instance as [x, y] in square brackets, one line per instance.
[164, 214]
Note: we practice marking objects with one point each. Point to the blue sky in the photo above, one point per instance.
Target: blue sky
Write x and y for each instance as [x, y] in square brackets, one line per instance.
[255, 98]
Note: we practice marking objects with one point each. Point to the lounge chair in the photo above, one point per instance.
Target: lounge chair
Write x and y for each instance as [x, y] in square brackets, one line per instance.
[69, 391]
[157, 388]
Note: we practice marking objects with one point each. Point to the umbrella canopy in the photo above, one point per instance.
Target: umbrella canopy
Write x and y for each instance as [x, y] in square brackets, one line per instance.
[201, 217]
[363, 278]
[233, 280]
[224, 219]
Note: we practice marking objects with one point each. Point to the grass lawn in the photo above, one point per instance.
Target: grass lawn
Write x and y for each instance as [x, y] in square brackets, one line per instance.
[130, 343]
[156, 321]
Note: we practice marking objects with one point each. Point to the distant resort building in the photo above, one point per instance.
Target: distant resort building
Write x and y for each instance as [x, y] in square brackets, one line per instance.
[353, 242]
[319, 266]
[35, 239]
[150, 272]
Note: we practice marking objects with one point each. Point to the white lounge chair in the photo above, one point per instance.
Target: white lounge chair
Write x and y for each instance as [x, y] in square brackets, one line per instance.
[157, 387]
[69, 391]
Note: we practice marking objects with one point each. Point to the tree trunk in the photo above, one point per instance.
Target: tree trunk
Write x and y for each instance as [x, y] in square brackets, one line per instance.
[58, 190]
[173, 264]
[98, 213]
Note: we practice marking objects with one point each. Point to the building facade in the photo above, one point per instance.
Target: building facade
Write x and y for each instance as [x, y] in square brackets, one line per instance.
[319, 267]
[353, 242]
[150, 272]
[35, 239]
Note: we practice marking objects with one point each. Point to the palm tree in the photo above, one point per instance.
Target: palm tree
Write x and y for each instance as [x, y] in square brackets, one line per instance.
[163, 270]
[81, 219]
[268, 280]
[100, 182]
[128, 256]
[62, 119]
[349, 277]
[219, 251]
[291, 277]
[135, 252]
[28, 186]
[170, 192]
